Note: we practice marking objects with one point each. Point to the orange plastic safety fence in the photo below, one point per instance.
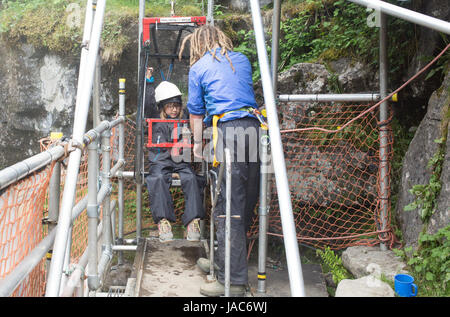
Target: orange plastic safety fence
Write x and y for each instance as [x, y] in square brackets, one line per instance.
[22, 207]
[79, 227]
[334, 176]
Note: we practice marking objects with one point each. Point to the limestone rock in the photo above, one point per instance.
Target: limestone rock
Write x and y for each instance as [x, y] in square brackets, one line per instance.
[354, 76]
[367, 286]
[362, 261]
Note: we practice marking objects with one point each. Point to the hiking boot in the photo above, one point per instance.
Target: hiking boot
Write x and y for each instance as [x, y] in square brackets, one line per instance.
[193, 230]
[216, 289]
[204, 265]
[165, 231]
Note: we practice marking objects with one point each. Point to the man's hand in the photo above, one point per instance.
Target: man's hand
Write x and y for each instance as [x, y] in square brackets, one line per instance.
[149, 72]
[196, 122]
[198, 150]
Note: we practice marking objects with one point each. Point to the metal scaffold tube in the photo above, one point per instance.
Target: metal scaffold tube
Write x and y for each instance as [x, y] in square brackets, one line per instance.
[263, 212]
[19, 170]
[275, 43]
[121, 158]
[92, 213]
[331, 97]
[228, 223]
[106, 218]
[81, 113]
[210, 16]
[384, 160]
[405, 14]
[26, 266]
[284, 198]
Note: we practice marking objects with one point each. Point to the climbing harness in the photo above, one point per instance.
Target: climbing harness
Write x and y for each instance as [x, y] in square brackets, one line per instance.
[259, 115]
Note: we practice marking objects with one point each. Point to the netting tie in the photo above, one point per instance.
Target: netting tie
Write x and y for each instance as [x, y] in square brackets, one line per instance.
[46, 221]
[74, 144]
[85, 45]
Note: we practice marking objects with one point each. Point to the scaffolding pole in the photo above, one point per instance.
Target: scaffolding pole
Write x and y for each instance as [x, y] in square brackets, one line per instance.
[120, 181]
[330, 98]
[284, 197]
[81, 113]
[384, 160]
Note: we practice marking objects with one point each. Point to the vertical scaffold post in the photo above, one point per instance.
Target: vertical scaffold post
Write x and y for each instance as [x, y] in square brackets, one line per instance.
[106, 180]
[284, 198]
[263, 212]
[384, 160]
[210, 16]
[53, 203]
[215, 195]
[120, 198]
[139, 144]
[264, 147]
[275, 43]
[228, 223]
[96, 93]
[92, 213]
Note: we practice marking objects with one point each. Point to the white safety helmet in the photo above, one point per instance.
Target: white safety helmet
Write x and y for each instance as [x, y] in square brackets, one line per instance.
[167, 92]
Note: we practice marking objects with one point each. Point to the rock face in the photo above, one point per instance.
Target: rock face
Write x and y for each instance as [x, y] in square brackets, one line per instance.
[415, 170]
[39, 92]
[428, 40]
[38, 96]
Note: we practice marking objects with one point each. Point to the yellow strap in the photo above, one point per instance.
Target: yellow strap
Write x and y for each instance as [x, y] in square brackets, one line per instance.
[216, 119]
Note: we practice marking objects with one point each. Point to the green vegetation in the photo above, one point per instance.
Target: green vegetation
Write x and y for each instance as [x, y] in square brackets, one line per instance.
[402, 138]
[326, 30]
[430, 263]
[57, 25]
[333, 264]
[427, 194]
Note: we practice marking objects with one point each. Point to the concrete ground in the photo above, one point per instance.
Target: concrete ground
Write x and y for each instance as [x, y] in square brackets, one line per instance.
[169, 270]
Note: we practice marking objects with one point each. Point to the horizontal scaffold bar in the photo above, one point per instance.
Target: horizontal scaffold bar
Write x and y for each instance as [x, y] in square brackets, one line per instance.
[19, 170]
[330, 97]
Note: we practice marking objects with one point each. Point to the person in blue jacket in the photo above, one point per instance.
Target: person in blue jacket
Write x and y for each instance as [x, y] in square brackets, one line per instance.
[221, 95]
[164, 162]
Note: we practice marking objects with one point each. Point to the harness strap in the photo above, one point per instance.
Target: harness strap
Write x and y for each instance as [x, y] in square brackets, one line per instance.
[217, 117]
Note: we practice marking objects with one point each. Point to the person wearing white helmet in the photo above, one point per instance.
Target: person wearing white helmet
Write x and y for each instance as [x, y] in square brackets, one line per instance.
[163, 165]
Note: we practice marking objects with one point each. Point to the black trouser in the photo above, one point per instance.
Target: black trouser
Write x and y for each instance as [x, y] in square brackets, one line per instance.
[158, 185]
[244, 195]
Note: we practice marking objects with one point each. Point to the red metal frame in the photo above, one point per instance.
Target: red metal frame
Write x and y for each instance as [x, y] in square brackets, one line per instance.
[168, 20]
[175, 132]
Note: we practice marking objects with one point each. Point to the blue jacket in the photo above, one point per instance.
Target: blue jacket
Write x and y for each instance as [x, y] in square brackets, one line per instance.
[215, 89]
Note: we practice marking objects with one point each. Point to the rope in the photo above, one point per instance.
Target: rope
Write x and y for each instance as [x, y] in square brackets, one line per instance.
[377, 104]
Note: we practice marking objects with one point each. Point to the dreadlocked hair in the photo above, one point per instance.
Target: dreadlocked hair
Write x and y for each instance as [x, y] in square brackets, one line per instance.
[206, 39]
